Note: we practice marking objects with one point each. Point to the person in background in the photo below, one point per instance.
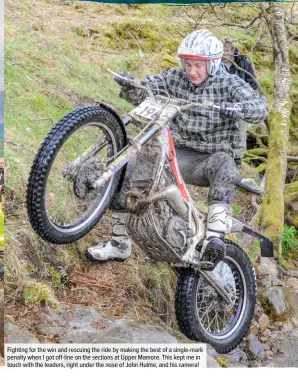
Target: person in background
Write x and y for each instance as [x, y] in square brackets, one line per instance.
[231, 56]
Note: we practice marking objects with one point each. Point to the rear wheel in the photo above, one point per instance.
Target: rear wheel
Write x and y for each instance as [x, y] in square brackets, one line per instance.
[204, 316]
[61, 203]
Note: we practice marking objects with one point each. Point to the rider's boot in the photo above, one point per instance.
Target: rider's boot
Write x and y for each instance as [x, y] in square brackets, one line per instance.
[119, 248]
[219, 223]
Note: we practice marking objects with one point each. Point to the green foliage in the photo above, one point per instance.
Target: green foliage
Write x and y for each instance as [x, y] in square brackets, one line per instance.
[131, 34]
[56, 277]
[236, 209]
[222, 361]
[284, 263]
[293, 56]
[289, 246]
[80, 31]
[254, 249]
[168, 62]
[39, 293]
[289, 238]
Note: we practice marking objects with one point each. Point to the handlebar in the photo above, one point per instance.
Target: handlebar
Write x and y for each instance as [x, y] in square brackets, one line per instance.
[177, 102]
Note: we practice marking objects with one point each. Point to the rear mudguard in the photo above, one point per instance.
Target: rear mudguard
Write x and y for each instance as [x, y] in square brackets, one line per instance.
[265, 243]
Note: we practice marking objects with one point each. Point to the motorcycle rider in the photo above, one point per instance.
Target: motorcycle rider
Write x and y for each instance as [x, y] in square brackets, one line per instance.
[205, 140]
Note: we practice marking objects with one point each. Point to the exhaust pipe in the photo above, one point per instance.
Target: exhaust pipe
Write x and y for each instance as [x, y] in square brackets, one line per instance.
[170, 194]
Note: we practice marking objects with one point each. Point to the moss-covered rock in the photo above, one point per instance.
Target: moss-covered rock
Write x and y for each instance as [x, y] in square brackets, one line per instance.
[168, 61]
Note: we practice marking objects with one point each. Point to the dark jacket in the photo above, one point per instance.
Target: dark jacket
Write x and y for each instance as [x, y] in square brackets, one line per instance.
[243, 62]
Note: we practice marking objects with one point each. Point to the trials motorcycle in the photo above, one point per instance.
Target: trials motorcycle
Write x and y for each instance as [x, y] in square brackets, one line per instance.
[77, 171]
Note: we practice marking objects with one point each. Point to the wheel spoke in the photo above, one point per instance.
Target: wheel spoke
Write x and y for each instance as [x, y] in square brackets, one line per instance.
[88, 148]
[215, 316]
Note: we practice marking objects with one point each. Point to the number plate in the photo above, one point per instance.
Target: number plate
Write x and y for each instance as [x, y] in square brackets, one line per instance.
[147, 109]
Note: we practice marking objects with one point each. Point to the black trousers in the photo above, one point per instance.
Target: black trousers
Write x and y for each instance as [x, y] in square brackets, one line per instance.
[217, 171]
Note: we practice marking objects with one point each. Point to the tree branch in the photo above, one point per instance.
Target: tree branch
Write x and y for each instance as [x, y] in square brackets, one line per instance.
[243, 26]
[292, 159]
[248, 73]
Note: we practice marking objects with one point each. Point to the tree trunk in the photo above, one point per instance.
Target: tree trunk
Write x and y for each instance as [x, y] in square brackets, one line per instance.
[272, 216]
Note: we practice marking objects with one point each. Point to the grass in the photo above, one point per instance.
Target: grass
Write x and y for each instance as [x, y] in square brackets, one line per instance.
[254, 250]
[39, 293]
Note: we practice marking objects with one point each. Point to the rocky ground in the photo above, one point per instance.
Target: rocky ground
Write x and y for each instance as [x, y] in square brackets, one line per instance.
[272, 340]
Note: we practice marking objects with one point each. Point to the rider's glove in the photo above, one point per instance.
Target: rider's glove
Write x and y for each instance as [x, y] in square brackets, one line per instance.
[232, 110]
[122, 81]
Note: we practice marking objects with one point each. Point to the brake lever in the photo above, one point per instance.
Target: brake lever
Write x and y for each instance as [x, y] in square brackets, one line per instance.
[134, 83]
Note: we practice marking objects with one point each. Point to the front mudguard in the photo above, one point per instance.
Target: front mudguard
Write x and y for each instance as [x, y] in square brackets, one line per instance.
[265, 243]
[116, 115]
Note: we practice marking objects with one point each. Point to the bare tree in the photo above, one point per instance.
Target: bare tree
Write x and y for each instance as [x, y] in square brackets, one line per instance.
[272, 215]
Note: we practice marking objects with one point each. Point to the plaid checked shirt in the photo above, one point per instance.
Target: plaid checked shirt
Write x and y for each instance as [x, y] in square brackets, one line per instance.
[203, 130]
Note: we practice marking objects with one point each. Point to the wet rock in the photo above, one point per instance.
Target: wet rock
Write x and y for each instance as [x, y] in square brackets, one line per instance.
[263, 339]
[16, 334]
[254, 364]
[263, 322]
[294, 334]
[276, 297]
[120, 331]
[258, 310]
[212, 363]
[254, 328]
[266, 346]
[277, 282]
[211, 351]
[292, 273]
[267, 333]
[293, 282]
[238, 355]
[277, 335]
[274, 349]
[51, 330]
[268, 268]
[286, 352]
[292, 303]
[269, 355]
[84, 316]
[287, 326]
[230, 362]
[255, 348]
[58, 317]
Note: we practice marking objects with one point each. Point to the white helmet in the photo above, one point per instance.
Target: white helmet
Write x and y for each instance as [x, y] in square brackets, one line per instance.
[202, 44]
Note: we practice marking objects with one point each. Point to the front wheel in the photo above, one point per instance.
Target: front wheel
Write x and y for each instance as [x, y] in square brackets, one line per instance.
[61, 202]
[204, 316]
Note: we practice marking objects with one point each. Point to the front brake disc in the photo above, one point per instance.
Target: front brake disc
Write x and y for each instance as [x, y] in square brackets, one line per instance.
[86, 175]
